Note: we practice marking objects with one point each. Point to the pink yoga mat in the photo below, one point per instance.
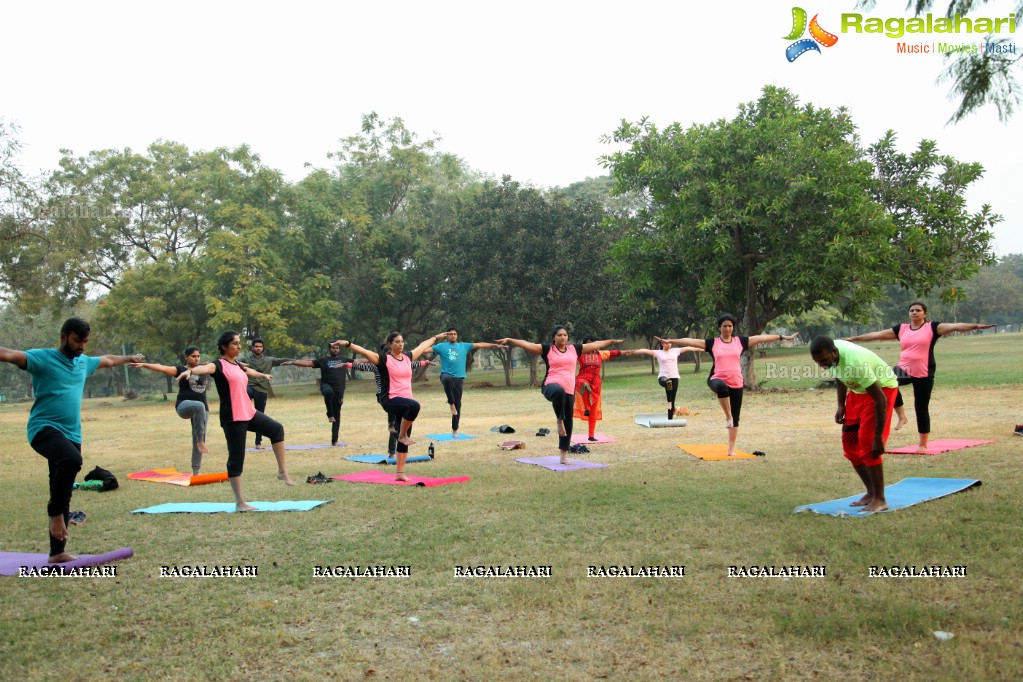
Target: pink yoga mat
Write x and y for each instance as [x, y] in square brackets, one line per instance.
[584, 438]
[388, 479]
[938, 446]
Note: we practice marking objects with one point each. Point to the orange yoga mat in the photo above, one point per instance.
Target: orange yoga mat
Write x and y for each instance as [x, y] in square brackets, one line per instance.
[714, 452]
[175, 477]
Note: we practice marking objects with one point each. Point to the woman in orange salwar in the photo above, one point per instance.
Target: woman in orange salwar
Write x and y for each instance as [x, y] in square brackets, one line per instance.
[587, 386]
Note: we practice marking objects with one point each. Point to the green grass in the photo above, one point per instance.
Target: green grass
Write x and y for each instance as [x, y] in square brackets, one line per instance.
[653, 505]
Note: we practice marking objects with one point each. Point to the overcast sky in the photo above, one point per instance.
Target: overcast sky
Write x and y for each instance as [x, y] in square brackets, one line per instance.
[521, 88]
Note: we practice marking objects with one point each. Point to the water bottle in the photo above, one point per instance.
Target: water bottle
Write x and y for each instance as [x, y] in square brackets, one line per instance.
[430, 451]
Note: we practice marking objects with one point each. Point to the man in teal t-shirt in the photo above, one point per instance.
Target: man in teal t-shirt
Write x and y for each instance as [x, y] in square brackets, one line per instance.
[453, 356]
[866, 396]
[55, 421]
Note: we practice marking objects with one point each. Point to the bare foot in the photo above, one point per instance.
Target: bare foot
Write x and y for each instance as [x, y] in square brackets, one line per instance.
[284, 477]
[244, 507]
[564, 459]
[406, 441]
[454, 434]
[391, 429]
[454, 410]
[731, 454]
[561, 429]
[202, 448]
[902, 422]
[330, 419]
[922, 448]
[58, 531]
[865, 500]
[876, 506]
[729, 424]
[61, 558]
[400, 476]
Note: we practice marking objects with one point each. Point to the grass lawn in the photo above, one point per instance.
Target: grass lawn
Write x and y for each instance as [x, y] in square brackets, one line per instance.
[652, 505]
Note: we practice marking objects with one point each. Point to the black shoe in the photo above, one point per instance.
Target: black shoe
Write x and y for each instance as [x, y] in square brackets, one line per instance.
[586, 413]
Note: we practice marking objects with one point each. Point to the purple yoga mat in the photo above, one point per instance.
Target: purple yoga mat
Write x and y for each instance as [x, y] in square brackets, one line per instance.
[554, 463]
[10, 562]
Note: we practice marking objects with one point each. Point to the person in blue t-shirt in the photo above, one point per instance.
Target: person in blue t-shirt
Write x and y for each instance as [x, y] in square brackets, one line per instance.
[453, 356]
[55, 421]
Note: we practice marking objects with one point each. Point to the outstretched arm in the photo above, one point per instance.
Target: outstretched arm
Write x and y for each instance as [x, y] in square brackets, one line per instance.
[364, 352]
[949, 327]
[486, 344]
[699, 344]
[519, 343]
[298, 363]
[767, 338]
[883, 335]
[638, 351]
[426, 345]
[600, 345]
[15, 357]
[153, 367]
[117, 360]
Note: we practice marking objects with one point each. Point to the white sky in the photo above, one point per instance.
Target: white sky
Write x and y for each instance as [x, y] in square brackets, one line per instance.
[521, 88]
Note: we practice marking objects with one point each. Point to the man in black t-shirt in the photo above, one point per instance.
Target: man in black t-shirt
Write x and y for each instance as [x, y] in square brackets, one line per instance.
[333, 377]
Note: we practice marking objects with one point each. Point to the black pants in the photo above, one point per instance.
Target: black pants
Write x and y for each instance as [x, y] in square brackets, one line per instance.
[453, 391]
[259, 402]
[333, 401]
[734, 395]
[670, 389]
[922, 389]
[65, 461]
[402, 408]
[235, 432]
[563, 403]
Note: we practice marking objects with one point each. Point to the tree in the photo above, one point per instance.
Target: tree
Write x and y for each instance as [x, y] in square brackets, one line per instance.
[21, 253]
[763, 215]
[521, 259]
[936, 240]
[978, 79]
[779, 210]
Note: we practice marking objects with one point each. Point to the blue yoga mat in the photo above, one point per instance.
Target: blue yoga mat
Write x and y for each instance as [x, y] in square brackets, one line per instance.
[905, 493]
[384, 459]
[444, 437]
[228, 507]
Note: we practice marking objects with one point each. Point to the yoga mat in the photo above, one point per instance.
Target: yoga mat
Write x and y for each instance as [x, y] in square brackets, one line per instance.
[384, 459]
[714, 452]
[936, 447]
[553, 463]
[10, 562]
[175, 477]
[657, 421]
[584, 438]
[228, 507]
[444, 437]
[905, 493]
[388, 479]
[298, 447]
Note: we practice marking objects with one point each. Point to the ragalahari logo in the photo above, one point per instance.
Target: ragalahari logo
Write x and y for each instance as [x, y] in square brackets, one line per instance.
[817, 35]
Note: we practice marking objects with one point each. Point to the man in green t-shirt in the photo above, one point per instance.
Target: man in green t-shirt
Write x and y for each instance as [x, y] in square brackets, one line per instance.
[866, 396]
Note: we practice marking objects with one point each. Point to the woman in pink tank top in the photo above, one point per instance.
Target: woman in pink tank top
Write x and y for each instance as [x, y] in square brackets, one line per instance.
[916, 361]
[725, 378]
[558, 386]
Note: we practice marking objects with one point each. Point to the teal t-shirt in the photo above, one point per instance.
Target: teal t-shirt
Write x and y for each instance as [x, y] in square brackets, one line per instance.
[58, 383]
[859, 368]
[452, 357]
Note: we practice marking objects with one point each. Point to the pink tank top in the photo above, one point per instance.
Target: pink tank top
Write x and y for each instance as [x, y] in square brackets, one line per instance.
[400, 373]
[726, 362]
[667, 361]
[561, 367]
[241, 407]
[915, 357]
